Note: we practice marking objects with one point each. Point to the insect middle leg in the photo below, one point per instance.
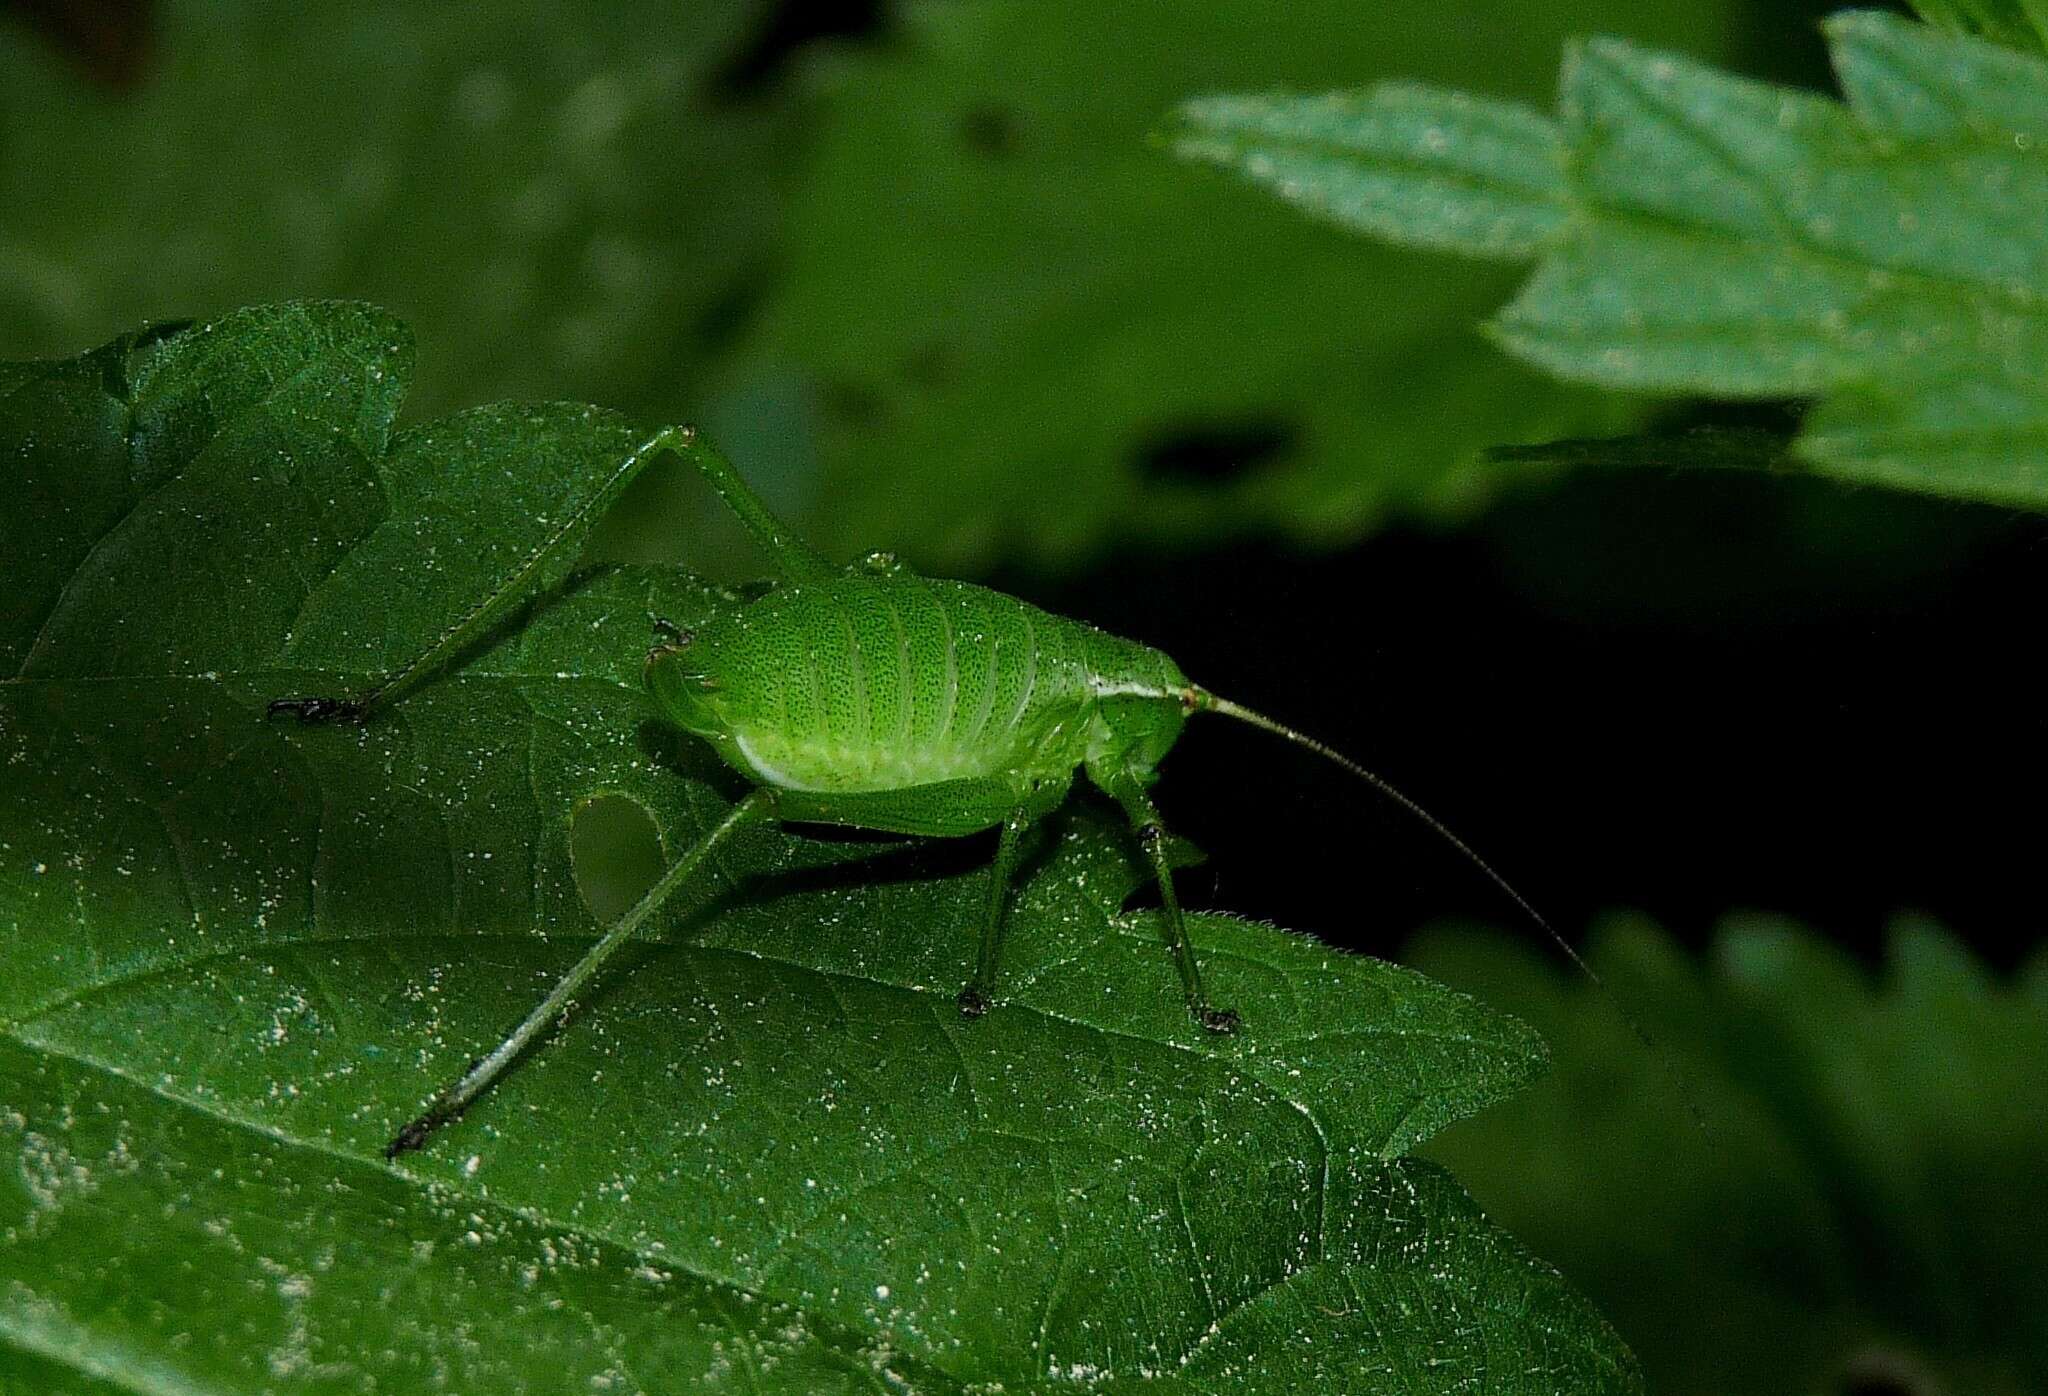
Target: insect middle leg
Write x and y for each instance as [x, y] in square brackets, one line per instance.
[1151, 834]
[980, 991]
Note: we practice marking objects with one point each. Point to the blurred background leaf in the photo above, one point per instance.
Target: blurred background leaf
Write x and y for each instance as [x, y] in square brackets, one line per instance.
[1862, 1212]
[928, 280]
[1700, 232]
[1702, 448]
[1623, 661]
[2023, 24]
[1022, 335]
[570, 202]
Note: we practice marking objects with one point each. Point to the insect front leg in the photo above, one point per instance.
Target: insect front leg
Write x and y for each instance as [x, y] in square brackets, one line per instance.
[974, 1000]
[1151, 834]
[451, 1101]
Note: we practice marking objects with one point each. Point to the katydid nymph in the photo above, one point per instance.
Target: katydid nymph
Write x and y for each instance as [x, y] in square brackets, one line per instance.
[872, 698]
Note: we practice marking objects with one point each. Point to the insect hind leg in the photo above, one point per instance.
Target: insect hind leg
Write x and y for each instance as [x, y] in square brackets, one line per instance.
[794, 556]
[449, 1103]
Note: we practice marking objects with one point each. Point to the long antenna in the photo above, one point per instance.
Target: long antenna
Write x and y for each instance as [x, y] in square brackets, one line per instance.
[1205, 701]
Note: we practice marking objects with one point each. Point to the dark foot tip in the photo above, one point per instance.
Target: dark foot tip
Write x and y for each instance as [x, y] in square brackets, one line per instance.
[1221, 1021]
[311, 710]
[413, 1136]
[408, 1139]
[972, 1002]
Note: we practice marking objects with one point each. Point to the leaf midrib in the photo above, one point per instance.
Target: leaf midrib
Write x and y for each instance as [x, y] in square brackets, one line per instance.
[12, 1027]
[93, 1365]
[836, 1333]
[1355, 156]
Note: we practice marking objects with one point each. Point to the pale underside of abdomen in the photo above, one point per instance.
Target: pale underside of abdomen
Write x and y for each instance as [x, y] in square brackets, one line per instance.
[826, 767]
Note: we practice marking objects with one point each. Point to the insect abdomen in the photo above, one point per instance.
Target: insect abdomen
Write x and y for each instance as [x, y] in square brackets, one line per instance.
[885, 683]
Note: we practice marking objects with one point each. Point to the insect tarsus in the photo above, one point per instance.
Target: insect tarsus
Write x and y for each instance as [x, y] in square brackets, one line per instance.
[316, 710]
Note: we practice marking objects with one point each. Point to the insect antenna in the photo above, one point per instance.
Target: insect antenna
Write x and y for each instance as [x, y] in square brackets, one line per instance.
[1205, 701]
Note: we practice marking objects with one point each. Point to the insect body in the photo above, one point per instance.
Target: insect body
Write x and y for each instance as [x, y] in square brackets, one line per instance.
[919, 707]
[913, 706]
[872, 698]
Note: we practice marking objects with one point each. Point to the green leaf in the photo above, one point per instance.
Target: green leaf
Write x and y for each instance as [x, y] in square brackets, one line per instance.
[1018, 334]
[557, 197]
[1430, 169]
[1716, 448]
[1866, 1207]
[1731, 238]
[2020, 24]
[771, 1155]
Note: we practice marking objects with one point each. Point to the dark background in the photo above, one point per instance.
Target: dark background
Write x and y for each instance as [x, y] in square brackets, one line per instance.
[1635, 690]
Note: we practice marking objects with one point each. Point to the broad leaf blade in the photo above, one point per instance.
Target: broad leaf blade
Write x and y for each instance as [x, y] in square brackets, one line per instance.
[769, 1152]
[1752, 241]
[2021, 24]
[1732, 238]
[168, 429]
[1903, 81]
[1867, 1201]
[1432, 169]
[536, 479]
[157, 1245]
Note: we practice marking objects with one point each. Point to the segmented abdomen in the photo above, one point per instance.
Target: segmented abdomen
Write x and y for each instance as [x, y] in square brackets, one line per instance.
[890, 682]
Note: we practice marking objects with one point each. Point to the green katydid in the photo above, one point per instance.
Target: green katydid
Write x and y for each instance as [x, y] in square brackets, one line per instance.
[873, 698]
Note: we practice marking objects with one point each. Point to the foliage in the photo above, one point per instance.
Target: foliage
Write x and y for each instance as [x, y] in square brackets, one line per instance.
[2022, 24]
[559, 195]
[1018, 335]
[1699, 233]
[1703, 448]
[241, 951]
[931, 288]
[1863, 1209]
